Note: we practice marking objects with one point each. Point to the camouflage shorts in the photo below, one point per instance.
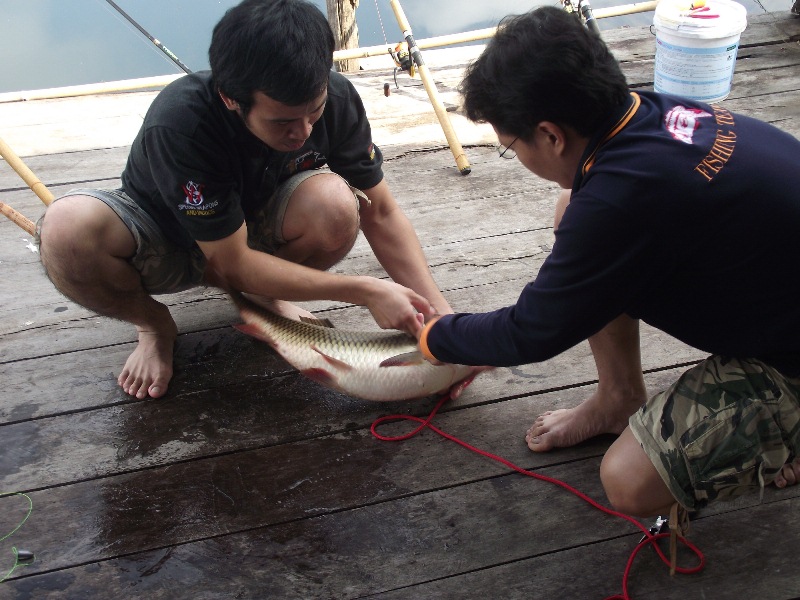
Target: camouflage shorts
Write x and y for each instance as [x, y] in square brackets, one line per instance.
[166, 268]
[726, 427]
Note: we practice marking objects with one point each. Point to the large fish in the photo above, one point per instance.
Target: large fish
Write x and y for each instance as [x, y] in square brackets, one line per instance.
[372, 365]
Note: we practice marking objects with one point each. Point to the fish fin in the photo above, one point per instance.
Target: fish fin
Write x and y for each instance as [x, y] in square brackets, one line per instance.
[317, 321]
[321, 376]
[253, 331]
[335, 362]
[403, 360]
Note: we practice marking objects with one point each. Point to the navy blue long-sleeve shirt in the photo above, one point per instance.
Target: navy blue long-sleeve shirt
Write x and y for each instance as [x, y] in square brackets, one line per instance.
[683, 215]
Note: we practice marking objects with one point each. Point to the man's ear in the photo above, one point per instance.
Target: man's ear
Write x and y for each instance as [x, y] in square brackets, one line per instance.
[553, 135]
[230, 104]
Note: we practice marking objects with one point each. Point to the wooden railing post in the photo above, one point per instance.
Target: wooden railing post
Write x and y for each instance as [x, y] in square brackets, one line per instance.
[342, 17]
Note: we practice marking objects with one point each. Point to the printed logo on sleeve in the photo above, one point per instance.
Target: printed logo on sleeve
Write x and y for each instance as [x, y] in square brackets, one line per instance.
[195, 203]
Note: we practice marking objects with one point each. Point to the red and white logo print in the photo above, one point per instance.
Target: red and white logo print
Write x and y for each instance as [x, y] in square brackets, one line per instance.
[682, 122]
[194, 193]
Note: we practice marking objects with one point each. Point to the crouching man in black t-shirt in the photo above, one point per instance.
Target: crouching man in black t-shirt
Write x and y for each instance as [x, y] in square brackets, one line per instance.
[224, 186]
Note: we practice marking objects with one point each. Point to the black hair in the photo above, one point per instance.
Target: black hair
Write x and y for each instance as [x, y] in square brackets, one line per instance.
[544, 65]
[283, 48]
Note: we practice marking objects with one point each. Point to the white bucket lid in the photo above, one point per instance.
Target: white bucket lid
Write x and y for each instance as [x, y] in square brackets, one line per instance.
[681, 16]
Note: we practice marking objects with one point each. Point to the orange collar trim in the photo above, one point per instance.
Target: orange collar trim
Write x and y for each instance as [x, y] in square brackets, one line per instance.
[614, 131]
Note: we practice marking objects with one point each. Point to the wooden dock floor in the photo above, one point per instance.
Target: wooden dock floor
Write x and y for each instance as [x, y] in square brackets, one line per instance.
[249, 481]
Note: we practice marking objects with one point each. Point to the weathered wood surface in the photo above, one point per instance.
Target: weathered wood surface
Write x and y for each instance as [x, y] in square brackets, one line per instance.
[250, 481]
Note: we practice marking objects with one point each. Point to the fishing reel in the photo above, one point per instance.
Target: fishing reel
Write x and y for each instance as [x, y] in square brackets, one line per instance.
[404, 61]
[402, 58]
[582, 10]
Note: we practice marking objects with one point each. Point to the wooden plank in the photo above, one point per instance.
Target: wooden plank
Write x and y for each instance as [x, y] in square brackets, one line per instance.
[768, 572]
[779, 109]
[240, 488]
[69, 168]
[481, 533]
[262, 410]
[272, 410]
[772, 66]
[343, 555]
[631, 44]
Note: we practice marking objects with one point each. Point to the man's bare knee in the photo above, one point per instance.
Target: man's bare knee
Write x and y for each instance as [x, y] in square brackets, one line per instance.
[631, 482]
[60, 245]
[323, 216]
[76, 233]
[615, 476]
[337, 223]
[57, 226]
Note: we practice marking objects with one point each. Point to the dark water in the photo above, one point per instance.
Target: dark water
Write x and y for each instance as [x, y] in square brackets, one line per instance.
[53, 43]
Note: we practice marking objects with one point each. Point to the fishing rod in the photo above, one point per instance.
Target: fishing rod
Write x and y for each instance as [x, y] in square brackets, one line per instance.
[583, 10]
[415, 58]
[158, 44]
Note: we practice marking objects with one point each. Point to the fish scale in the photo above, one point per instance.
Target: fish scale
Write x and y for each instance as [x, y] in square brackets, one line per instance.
[352, 362]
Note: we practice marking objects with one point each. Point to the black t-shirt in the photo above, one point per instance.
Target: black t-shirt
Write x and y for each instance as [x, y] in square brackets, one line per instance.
[683, 215]
[200, 173]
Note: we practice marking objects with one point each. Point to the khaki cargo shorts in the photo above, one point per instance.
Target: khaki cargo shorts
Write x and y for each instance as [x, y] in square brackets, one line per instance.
[725, 428]
[166, 268]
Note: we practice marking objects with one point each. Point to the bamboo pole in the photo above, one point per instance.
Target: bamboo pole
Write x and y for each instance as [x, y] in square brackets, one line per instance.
[430, 87]
[484, 34]
[27, 175]
[18, 218]
[434, 42]
[624, 9]
[87, 89]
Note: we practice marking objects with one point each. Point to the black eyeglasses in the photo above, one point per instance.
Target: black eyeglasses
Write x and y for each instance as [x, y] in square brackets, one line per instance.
[506, 151]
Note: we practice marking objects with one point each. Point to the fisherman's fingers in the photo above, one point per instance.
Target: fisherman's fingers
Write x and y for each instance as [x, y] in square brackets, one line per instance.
[398, 307]
[408, 321]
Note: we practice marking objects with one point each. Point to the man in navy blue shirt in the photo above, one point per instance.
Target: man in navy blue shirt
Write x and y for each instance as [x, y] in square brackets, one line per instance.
[223, 187]
[677, 213]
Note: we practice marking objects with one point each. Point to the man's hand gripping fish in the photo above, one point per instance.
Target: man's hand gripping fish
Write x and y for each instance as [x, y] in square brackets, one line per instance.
[372, 365]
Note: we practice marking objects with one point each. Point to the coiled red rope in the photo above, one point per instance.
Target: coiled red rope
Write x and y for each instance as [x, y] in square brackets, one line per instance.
[649, 539]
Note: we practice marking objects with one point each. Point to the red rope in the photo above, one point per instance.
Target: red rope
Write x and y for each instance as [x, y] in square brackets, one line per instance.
[649, 539]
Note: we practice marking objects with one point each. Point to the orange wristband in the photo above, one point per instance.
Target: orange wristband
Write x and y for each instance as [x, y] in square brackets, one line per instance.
[423, 339]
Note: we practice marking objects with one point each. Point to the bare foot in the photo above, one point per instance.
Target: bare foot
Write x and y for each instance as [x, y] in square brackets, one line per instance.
[788, 475]
[148, 370]
[594, 416]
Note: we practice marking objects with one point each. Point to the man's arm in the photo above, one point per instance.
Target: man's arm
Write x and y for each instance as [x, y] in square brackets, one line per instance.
[397, 247]
[233, 265]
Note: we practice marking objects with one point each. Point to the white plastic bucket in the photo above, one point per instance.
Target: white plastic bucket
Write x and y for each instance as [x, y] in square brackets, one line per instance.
[696, 47]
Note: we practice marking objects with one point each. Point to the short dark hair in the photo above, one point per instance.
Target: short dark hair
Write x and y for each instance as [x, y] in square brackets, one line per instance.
[544, 65]
[283, 48]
